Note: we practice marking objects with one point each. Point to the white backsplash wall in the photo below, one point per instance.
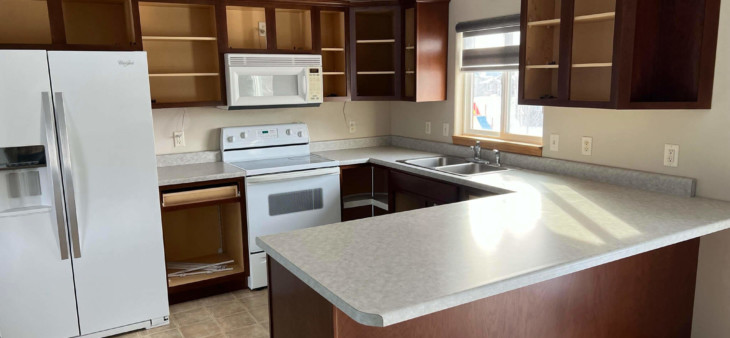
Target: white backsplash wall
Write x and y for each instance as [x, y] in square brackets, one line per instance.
[327, 122]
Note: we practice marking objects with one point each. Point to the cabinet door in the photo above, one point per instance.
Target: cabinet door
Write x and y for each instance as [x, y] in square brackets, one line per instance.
[413, 192]
[426, 40]
[405, 201]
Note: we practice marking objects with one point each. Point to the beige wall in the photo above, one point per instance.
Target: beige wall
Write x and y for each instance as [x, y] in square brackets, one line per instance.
[635, 139]
[326, 122]
[627, 139]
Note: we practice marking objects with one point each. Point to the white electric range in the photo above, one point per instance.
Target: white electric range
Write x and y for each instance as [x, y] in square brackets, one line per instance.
[287, 187]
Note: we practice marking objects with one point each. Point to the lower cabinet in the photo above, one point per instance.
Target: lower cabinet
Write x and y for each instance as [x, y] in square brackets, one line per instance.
[205, 235]
[364, 191]
[410, 192]
[371, 190]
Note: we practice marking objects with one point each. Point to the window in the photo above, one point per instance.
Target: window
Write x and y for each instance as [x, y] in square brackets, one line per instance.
[490, 70]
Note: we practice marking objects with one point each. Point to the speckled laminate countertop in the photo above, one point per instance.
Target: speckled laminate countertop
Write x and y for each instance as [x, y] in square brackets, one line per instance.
[385, 270]
[199, 172]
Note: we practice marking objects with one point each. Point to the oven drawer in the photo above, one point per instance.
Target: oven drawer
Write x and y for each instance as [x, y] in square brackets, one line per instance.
[290, 201]
[199, 196]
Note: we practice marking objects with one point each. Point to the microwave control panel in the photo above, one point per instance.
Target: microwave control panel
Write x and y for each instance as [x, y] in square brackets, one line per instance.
[314, 79]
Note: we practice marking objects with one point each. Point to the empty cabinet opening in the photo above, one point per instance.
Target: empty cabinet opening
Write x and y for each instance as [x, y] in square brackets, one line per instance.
[24, 22]
[543, 10]
[376, 85]
[333, 30]
[293, 29]
[543, 47]
[375, 25]
[334, 66]
[246, 27]
[592, 7]
[541, 83]
[668, 69]
[203, 240]
[590, 84]
[99, 22]
[182, 52]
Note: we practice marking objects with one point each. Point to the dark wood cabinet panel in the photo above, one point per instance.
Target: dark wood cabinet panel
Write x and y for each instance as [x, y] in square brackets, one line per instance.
[425, 49]
[409, 192]
[618, 54]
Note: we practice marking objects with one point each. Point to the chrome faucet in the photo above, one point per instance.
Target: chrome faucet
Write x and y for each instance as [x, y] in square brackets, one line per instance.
[477, 148]
[497, 156]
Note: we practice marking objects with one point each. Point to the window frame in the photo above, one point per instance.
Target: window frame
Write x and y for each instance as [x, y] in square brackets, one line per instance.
[503, 133]
[466, 117]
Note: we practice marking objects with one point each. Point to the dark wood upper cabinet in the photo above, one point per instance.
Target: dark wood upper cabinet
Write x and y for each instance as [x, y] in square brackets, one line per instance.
[371, 50]
[618, 54]
[376, 59]
[425, 52]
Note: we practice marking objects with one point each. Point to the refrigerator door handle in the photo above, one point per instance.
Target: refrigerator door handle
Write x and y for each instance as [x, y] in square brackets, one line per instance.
[50, 125]
[68, 182]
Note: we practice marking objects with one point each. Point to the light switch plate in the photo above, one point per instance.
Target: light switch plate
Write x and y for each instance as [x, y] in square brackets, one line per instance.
[554, 142]
[262, 28]
[671, 155]
[178, 138]
[586, 146]
[428, 128]
[446, 129]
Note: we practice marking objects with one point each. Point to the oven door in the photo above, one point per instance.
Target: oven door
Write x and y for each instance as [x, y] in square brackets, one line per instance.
[289, 201]
[265, 86]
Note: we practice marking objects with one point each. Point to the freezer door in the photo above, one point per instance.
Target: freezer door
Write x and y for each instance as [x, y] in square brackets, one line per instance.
[107, 148]
[36, 279]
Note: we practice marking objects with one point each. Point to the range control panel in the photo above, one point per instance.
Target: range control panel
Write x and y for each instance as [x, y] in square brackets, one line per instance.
[264, 136]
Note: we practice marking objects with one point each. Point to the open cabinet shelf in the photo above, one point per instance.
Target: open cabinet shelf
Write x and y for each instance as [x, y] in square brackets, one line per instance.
[24, 22]
[99, 23]
[593, 30]
[236, 268]
[376, 52]
[182, 52]
[333, 33]
[243, 27]
[204, 224]
[293, 29]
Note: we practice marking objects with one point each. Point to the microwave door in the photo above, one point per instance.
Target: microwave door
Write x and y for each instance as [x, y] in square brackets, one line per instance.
[262, 86]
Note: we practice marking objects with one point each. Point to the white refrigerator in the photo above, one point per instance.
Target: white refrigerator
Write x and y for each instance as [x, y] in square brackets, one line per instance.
[81, 250]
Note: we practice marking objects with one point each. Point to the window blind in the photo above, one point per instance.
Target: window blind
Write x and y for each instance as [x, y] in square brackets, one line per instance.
[497, 54]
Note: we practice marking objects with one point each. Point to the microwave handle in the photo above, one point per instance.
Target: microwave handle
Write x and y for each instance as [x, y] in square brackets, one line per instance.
[305, 79]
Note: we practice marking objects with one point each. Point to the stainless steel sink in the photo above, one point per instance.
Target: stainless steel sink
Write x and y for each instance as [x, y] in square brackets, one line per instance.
[453, 165]
[433, 162]
[469, 169]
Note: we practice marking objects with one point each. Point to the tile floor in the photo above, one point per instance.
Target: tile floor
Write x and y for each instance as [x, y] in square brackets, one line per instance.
[241, 313]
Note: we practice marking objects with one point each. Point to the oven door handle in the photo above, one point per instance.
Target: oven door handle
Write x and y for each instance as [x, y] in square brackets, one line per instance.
[294, 175]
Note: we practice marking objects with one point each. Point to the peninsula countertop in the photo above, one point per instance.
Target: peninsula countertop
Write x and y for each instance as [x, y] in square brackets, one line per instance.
[385, 270]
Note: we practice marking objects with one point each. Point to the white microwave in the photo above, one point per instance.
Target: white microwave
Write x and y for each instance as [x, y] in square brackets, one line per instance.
[265, 80]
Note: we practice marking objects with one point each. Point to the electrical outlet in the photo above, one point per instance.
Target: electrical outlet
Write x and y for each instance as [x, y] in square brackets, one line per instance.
[586, 146]
[262, 28]
[671, 155]
[428, 128]
[554, 142]
[353, 127]
[179, 138]
[446, 129]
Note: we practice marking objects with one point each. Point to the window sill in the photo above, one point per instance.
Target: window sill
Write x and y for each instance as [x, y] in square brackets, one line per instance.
[501, 145]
